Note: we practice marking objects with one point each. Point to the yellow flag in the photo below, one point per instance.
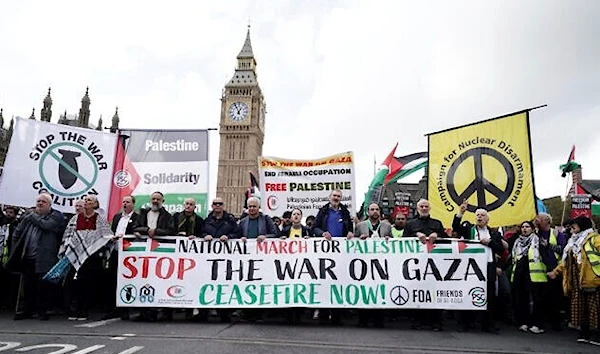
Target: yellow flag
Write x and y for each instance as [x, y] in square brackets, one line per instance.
[486, 163]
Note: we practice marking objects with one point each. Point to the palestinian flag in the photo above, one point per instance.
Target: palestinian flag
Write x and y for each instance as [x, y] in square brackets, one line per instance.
[133, 245]
[470, 247]
[125, 179]
[163, 245]
[437, 248]
[393, 169]
[571, 165]
[253, 191]
[410, 164]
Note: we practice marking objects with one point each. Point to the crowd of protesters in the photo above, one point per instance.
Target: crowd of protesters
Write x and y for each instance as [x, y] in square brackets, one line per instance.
[541, 277]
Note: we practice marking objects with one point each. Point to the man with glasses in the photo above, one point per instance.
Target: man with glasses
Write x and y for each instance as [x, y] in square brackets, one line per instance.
[220, 225]
[333, 220]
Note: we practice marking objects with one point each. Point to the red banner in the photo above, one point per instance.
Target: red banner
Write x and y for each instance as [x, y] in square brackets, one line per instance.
[581, 205]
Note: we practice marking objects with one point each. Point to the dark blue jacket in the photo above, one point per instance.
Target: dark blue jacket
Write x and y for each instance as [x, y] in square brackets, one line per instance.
[218, 227]
[320, 225]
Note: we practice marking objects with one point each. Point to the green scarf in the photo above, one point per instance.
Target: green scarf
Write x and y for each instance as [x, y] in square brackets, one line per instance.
[187, 224]
[370, 226]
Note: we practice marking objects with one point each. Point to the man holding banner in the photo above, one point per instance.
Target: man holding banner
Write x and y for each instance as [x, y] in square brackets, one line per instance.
[428, 230]
[372, 227]
[333, 220]
[483, 234]
[155, 221]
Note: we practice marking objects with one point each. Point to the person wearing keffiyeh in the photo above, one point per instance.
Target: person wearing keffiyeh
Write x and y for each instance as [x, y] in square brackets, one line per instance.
[580, 280]
[83, 245]
[528, 280]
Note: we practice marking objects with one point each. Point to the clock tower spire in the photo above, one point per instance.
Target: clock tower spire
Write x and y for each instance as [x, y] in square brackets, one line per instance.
[241, 130]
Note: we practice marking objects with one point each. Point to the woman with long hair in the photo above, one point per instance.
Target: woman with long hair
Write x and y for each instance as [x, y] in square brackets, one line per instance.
[580, 268]
[528, 279]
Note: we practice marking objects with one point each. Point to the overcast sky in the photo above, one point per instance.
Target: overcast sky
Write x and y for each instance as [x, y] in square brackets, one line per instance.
[337, 75]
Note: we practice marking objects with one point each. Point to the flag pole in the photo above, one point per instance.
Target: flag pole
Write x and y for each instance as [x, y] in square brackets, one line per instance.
[562, 220]
[374, 165]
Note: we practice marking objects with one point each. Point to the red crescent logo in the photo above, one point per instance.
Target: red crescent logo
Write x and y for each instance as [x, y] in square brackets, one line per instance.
[176, 291]
[272, 202]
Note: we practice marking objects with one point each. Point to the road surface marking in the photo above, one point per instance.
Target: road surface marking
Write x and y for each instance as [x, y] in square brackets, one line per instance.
[98, 323]
[87, 350]
[132, 350]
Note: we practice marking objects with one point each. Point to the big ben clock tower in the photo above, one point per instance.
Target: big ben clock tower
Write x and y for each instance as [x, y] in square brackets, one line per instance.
[242, 130]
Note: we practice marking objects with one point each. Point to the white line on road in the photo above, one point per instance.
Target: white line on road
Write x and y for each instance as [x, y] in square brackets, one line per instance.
[65, 348]
[118, 338]
[87, 350]
[98, 323]
[8, 345]
[132, 350]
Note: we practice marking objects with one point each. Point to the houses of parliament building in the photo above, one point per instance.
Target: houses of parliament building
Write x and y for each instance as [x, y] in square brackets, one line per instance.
[79, 120]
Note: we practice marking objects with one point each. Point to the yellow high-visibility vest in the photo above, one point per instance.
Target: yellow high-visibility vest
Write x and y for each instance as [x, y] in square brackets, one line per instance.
[537, 269]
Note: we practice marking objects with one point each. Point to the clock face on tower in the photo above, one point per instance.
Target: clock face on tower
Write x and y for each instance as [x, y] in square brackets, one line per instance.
[238, 111]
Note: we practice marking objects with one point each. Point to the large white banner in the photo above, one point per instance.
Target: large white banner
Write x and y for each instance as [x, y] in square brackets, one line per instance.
[305, 184]
[67, 162]
[314, 272]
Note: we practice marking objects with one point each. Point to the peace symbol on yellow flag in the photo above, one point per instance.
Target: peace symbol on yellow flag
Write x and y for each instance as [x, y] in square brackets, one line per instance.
[488, 164]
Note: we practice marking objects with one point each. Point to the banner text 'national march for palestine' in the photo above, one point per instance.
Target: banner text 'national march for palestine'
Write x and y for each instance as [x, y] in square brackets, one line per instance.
[313, 272]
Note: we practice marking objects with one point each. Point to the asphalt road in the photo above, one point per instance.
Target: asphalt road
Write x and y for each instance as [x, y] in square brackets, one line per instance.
[125, 337]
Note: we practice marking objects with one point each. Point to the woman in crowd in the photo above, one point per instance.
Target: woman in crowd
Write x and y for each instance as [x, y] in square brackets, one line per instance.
[90, 270]
[528, 279]
[580, 268]
[294, 231]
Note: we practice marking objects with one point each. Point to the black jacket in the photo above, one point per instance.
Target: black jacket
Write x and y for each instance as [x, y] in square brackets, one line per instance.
[464, 230]
[51, 227]
[130, 225]
[320, 225]
[178, 219]
[426, 225]
[218, 227]
[163, 225]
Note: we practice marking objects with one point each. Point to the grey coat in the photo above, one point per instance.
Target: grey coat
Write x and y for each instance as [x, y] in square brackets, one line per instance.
[385, 229]
[51, 228]
[266, 226]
